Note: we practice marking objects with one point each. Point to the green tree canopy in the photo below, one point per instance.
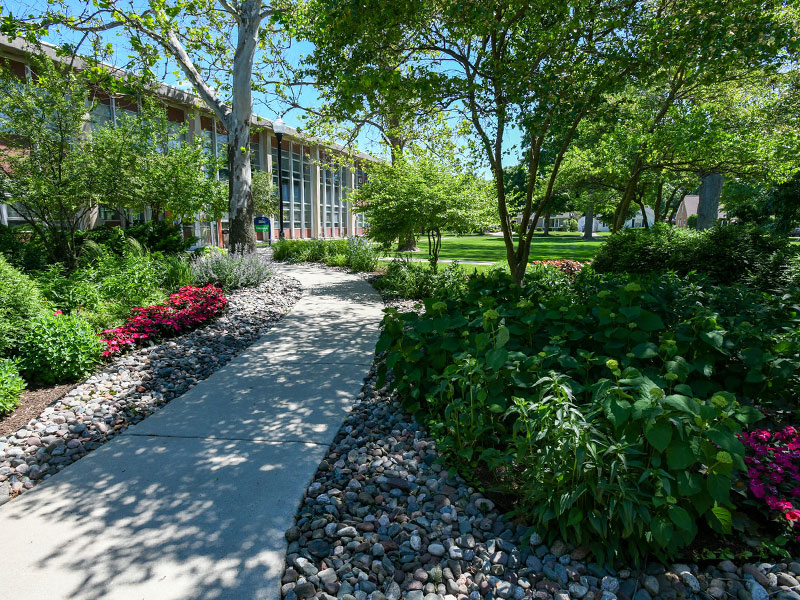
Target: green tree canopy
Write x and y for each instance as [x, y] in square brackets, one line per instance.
[419, 194]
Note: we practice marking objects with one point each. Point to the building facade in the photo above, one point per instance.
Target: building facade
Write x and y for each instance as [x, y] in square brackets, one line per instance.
[315, 187]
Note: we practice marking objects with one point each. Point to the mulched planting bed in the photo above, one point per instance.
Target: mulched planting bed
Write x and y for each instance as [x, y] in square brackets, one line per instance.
[86, 415]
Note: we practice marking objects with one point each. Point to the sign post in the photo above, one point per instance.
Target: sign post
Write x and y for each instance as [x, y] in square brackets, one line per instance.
[262, 225]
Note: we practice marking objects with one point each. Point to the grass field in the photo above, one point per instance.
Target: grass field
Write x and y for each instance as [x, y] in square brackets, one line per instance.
[492, 248]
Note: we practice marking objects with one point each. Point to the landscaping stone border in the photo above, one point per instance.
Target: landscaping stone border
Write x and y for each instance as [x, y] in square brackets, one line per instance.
[135, 385]
[382, 520]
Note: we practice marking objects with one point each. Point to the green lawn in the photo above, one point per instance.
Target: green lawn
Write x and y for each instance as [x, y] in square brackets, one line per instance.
[467, 268]
[492, 248]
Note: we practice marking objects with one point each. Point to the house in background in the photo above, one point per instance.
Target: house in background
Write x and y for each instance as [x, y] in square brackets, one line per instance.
[688, 207]
[636, 221]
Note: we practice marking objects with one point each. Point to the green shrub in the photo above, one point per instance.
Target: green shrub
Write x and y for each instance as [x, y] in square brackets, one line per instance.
[572, 224]
[22, 249]
[337, 260]
[231, 270]
[155, 236]
[59, 348]
[362, 257]
[417, 280]
[11, 386]
[107, 286]
[546, 389]
[20, 301]
[728, 254]
[359, 254]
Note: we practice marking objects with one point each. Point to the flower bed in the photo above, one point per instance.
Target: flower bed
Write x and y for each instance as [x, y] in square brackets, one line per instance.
[773, 470]
[184, 310]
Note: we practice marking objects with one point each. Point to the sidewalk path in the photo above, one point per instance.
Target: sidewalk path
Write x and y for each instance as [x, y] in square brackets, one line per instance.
[193, 502]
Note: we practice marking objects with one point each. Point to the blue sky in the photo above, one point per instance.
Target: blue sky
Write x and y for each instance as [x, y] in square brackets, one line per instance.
[265, 104]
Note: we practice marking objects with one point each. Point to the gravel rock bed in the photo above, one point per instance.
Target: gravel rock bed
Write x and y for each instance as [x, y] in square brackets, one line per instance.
[136, 385]
[382, 520]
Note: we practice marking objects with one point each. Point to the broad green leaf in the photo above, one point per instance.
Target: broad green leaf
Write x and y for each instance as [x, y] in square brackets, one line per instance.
[680, 456]
[712, 338]
[645, 350]
[503, 335]
[681, 518]
[721, 519]
[650, 321]
[719, 487]
[659, 435]
[496, 358]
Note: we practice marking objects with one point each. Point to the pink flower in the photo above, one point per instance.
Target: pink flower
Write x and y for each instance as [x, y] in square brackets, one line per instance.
[792, 515]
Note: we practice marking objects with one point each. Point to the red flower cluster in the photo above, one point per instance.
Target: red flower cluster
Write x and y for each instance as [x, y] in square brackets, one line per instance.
[184, 310]
[568, 267]
[773, 470]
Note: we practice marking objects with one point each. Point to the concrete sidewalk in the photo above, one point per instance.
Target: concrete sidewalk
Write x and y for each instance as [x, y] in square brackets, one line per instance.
[193, 502]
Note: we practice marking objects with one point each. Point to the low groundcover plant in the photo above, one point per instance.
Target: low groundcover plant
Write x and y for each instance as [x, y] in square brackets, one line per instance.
[184, 310]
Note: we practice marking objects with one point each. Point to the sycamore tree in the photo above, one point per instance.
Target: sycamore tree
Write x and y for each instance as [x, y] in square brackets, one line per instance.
[223, 48]
[540, 68]
[419, 194]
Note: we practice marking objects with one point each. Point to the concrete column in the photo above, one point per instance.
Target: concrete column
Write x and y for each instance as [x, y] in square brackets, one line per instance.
[291, 189]
[300, 176]
[315, 194]
[351, 216]
[4, 214]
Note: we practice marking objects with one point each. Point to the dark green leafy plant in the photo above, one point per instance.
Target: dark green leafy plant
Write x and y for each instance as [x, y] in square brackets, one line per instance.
[417, 280]
[20, 301]
[728, 254]
[59, 348]
[606, 408]
[11, 386]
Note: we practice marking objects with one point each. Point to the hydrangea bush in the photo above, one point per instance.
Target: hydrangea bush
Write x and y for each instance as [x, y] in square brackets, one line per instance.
[187, 309]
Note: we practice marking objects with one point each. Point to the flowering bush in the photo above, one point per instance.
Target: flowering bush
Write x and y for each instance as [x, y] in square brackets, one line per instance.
[568, 267]
[773, 472]
[184, 310]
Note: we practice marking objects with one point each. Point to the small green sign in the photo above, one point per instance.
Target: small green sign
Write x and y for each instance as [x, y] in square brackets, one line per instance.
[261, 224]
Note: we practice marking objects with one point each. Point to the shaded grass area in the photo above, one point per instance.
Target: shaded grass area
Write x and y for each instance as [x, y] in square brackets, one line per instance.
[558, 245]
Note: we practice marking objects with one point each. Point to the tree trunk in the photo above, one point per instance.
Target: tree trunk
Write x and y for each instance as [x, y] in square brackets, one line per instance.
[708, 206]
[89, 217]
[409, 244]
[240, 192]
[588, 223]
[546, 224]
[644, 213]
[240, 195]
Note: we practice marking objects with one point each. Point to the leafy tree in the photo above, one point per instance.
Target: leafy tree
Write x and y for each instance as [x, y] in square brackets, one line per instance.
[540, 68]
[43, 164]
[141, 160]
[265, 194]
[420, 194]
[224, 48]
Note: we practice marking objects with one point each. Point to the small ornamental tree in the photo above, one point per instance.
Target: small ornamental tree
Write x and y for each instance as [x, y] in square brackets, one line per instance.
[43, 157]
[421, 195]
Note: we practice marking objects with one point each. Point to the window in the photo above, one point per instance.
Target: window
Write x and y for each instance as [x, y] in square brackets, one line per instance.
[255, 154]
[307, 191]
